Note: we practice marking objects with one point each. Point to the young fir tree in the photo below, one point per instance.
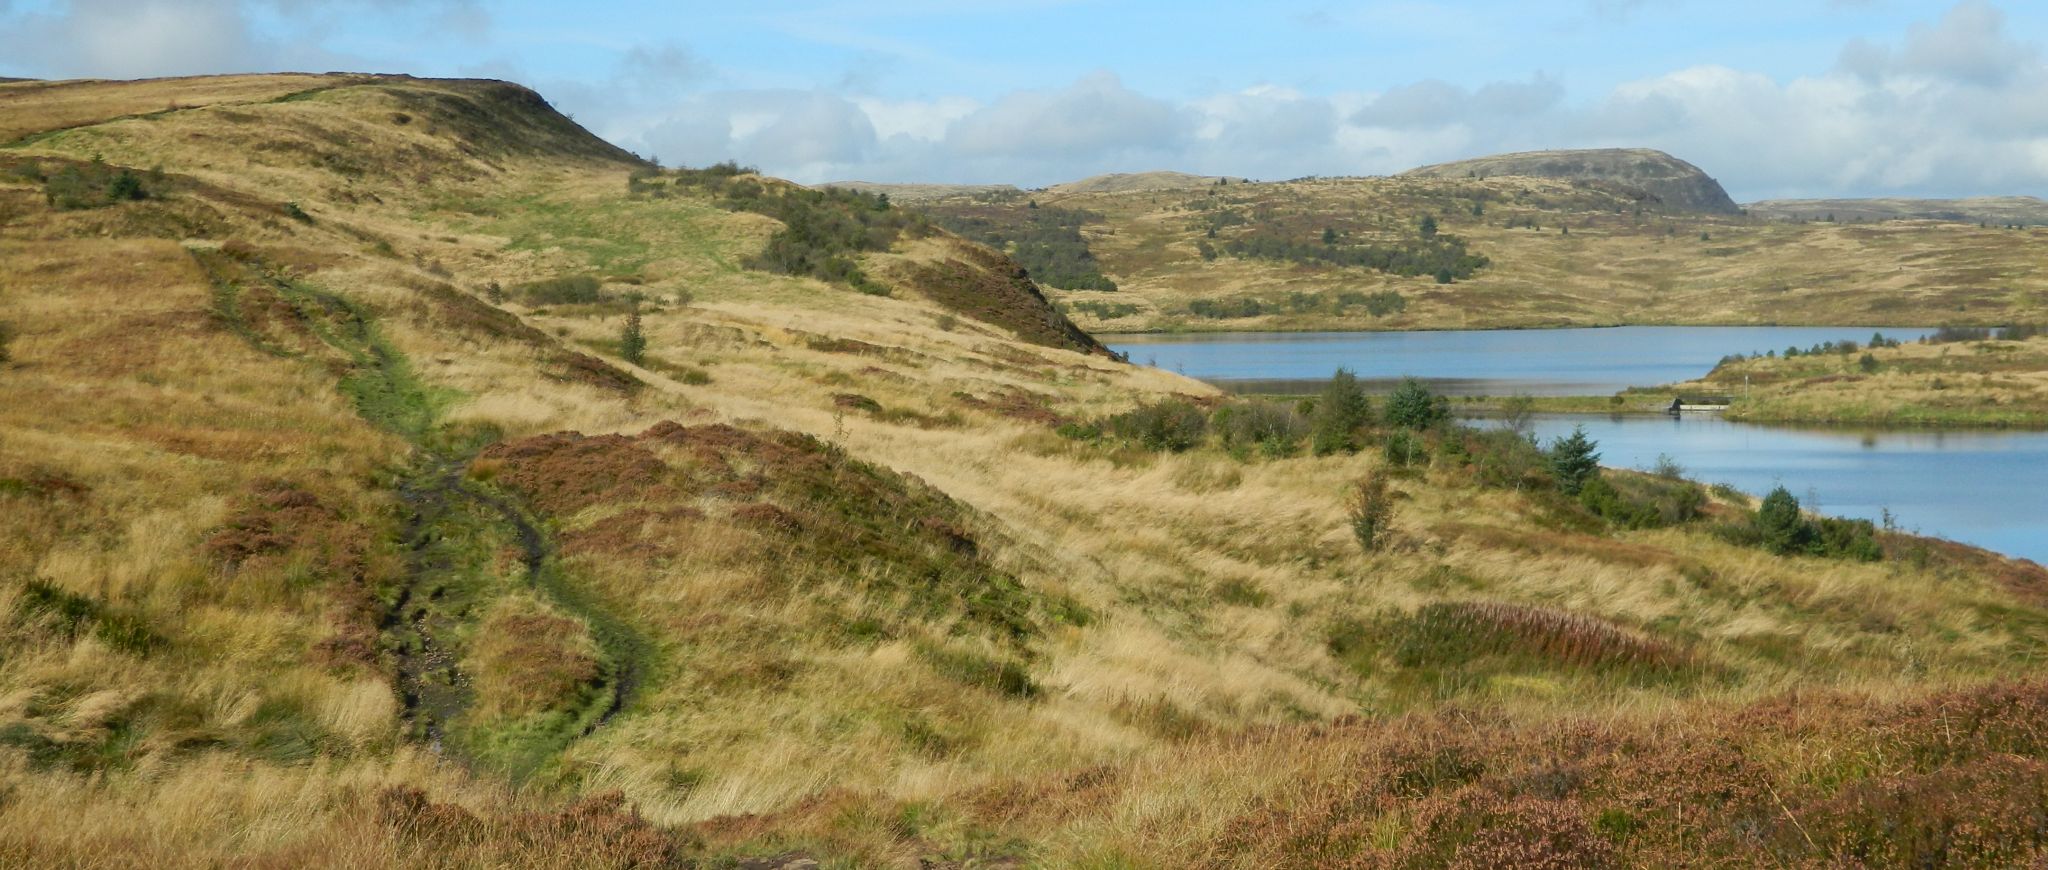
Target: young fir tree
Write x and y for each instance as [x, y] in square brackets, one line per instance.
[632, 341]
[1340, 412]
[1573, 461]
[1413, 406]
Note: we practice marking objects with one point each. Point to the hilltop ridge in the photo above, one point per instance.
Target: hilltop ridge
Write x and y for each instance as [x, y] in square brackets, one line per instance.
[1673, 182]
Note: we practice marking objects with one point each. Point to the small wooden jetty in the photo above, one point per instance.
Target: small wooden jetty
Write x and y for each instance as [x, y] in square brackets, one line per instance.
[1682, 404]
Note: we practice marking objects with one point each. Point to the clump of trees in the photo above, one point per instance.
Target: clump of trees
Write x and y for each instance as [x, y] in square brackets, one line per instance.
[564, 290]
[824, 231]
[1379, 303]
[1436, 254]
[1105, 310]
[1046, 241]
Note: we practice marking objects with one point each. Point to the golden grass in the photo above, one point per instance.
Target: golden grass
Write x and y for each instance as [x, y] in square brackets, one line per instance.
[1211, 585]
[1615, 266]
[1974, 383]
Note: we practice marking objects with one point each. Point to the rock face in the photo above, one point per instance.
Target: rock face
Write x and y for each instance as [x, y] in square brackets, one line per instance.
[1674, 182]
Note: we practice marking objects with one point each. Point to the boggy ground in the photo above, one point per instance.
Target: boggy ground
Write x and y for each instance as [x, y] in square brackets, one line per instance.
[329, 535]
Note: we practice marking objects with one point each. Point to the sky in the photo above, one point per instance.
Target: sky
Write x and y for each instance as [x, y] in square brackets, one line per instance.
[1793, 98]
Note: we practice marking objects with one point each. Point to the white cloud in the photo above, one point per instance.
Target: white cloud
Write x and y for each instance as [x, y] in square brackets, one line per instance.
[1953, 105]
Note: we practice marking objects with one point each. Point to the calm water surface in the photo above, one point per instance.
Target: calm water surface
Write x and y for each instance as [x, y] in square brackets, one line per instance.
[1536, 362]
[1988, 488]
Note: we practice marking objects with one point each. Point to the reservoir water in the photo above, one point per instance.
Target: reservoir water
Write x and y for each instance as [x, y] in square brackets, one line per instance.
[1536, 362]
[1988, 488]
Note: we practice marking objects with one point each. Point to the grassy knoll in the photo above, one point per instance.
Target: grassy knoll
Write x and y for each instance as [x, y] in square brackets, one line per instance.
[334, 531]
[1964, 383]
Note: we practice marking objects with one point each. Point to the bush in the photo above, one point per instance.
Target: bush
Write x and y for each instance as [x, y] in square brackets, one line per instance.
[92, 185]
[632, 340]
[6, 338]
[566, 290]
[1273, 428]
[1370, 509]
[1781, 527]
[1341, 413]
[1173, 425]
[1402, 449]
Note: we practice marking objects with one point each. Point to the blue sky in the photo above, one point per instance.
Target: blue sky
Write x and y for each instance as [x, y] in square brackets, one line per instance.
[1797, 97]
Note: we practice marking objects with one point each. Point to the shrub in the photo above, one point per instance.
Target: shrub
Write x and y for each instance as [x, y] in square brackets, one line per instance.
[632, 340]
[1781, 527]
[566, 290]
[92, 185]
[1413, 406]
[6, 339]
[1370, 508]
[1173, 425]
[1573, 461]
[1340, 413]
[1402, 449]
[1273, 428]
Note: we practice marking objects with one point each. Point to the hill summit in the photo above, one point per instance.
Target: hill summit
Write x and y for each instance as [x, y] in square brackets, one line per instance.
[1676, 183]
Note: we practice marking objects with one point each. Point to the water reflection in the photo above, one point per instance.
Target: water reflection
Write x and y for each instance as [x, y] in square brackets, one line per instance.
[1988, 488]
[1536, 362]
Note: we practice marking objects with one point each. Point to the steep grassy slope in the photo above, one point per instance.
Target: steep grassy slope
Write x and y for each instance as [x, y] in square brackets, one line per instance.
[1559, 254]
[335, 527]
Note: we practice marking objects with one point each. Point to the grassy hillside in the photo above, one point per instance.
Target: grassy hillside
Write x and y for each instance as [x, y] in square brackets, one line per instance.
[339, 525]
[1559, 254]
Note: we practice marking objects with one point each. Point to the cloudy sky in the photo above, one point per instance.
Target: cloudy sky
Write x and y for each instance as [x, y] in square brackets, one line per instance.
[1780, 98]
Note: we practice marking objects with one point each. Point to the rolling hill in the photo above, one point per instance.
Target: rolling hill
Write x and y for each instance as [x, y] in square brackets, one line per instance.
[394, 474]
[1998, 210]
[1666, 180]
[1307, 254]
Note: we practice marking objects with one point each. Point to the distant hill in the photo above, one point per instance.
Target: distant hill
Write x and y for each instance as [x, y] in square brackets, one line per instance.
[1674, 182]
[2000, 210]
[924, 192]
[1126, 182]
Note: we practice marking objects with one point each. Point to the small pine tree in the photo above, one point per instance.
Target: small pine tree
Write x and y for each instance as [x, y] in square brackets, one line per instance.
[1329, 235]
[632, 341]
[1340, 412]
[1573, 460]
[1370, 508]
[1429, 226]
[1413, 406]
[1780, 523]
[1868, 364]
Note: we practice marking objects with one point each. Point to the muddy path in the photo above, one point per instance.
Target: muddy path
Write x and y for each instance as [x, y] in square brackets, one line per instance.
[453, 530]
